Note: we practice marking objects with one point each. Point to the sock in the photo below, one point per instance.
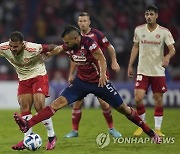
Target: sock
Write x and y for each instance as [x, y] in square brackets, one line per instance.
[27, 116]
[43, 114]
[108, 116]
[76, 117]
[49, 126]
[141, 111]
[158, 116]
[134, 117]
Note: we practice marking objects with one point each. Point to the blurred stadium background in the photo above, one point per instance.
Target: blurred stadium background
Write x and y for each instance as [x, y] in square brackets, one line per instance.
[42, 21]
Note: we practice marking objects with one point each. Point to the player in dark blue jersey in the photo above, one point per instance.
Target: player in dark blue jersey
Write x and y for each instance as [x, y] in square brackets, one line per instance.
[91, 78]
[105, 46]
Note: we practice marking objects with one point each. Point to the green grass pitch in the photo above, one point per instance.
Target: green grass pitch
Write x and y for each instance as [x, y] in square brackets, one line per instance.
[92, 124]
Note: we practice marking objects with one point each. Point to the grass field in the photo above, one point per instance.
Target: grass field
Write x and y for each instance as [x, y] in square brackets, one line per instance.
[91, 125]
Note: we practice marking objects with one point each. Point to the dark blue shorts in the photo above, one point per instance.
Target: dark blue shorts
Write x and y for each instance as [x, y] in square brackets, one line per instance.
[80, 89]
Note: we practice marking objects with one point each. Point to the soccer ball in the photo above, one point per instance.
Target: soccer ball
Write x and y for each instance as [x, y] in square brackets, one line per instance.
[32, 142]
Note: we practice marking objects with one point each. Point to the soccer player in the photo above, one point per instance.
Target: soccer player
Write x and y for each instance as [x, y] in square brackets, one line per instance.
[104, 44]
[33, 80]
[91, 78]
[149, 41]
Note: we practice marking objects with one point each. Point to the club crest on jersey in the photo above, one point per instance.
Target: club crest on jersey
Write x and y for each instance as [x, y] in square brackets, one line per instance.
[26, 60]
[77, 58]
[158, 36]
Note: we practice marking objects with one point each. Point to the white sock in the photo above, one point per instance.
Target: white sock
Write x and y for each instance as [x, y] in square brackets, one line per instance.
[27, 117]
[158, 122]
[143, 117]
[49, 126]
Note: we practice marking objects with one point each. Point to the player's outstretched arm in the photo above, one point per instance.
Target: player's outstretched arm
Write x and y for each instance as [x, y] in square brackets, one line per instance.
[134, 53]
[103, 66]
[57, 50]
[112, 53]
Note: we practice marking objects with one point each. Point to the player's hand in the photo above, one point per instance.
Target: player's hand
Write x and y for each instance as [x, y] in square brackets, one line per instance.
[70, 79]
[165, 61]
[115, 67]
[130, 72]
[102, 80]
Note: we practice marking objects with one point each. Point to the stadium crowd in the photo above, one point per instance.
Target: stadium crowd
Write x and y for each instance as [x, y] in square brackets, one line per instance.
[42, 21]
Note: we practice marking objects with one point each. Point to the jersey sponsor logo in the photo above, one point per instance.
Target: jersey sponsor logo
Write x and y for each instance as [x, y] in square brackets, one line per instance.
[93, 46]
[150, 42]
[77, 58]
[20, 64]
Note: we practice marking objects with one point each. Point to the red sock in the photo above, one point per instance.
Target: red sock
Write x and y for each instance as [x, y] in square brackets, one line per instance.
[43, 114]
[140, 109]
[76, 117]
[108, 116]
[134, 117]
[158, 111]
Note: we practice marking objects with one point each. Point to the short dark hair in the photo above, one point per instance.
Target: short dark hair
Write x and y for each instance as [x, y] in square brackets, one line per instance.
[69, 29]
[83, 14]
[152, 8]
[16, 36]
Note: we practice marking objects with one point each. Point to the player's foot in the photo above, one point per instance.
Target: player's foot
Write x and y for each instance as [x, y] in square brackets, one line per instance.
[23, 125]
[155, 138]
[19, 146]
[138, 132]
[159, 133]
[71, 134]
[51, 143]
[114, 133]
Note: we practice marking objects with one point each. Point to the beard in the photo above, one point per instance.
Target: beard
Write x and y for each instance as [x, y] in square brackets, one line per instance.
[74, 47]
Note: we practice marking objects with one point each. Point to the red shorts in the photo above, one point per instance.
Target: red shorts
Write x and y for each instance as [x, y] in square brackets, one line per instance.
[38, 84]
[157, 83]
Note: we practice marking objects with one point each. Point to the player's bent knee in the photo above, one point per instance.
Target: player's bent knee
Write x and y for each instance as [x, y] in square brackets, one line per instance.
[105, 106]
[124, 109]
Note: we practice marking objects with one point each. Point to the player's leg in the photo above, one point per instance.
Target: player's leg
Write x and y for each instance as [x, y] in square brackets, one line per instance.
[141, 86]
[139, 96]
[158, 85]
[111, 95]
[40, 91]
[25, 102]
[158, 113]
[132, 115]
[70, 95]
[106, 109]
[76, 117]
